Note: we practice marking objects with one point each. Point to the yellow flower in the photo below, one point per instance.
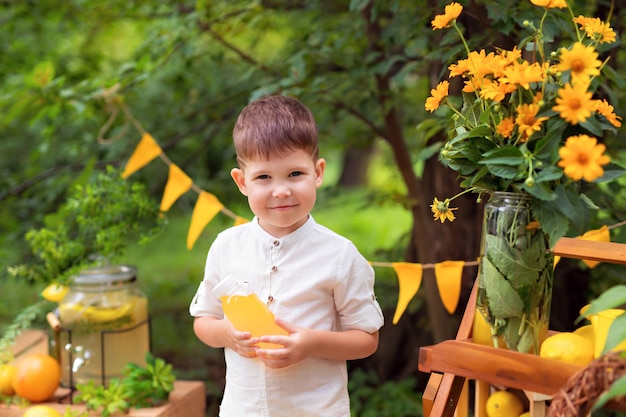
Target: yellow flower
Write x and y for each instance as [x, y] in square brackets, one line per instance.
[442, 210]
[606, 110]
[437, 94]
[523, 74]
[505, 127]
[596, 29]
[582, 157]
[481, 63]
[496, 91]
[526, 120]
[574, 103]
[451, 12]
[550, 4]
[581, 61]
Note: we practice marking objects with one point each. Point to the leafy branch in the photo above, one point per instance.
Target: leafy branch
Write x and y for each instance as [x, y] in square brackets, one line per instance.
[95, 222]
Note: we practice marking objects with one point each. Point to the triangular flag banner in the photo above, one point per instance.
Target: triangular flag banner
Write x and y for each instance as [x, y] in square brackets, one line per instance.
[240, 220]
[207, 206]
[409, 281]
[178, 183]
[146, 151]
[599, 235]
[448, 275]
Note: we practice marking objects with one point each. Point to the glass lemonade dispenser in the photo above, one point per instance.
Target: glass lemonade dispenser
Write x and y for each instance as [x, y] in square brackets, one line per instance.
[104, 325]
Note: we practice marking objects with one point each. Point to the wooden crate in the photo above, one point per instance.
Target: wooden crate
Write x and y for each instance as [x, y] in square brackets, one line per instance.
[187, 400]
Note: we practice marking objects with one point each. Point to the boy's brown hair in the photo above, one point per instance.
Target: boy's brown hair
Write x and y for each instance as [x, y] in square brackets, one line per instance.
[274, 126]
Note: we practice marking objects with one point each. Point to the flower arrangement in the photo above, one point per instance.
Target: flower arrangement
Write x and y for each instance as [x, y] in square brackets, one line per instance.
[529, 119]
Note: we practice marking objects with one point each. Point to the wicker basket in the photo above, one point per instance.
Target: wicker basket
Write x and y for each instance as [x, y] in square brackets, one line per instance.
[584, 388]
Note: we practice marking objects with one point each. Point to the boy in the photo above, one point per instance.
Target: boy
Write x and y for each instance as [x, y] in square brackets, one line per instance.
[315, 281]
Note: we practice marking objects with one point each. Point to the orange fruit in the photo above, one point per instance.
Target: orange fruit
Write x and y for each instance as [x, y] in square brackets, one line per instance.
[37, 376]
[41, 411]
[7, 373]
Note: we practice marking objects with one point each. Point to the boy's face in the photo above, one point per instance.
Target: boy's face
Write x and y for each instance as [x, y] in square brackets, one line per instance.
[281, 191]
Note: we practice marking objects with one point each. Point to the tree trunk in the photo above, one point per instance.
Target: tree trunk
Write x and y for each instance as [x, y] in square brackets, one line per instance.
[354, 166]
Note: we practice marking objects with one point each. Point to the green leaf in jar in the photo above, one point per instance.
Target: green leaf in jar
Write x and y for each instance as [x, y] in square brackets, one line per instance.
[504, 301]
[523, 265]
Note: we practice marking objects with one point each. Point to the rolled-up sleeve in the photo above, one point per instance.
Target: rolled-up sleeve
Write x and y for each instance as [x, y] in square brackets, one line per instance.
[355, 299]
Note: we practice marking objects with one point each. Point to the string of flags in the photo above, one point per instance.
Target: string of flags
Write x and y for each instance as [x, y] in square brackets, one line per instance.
[448, 274]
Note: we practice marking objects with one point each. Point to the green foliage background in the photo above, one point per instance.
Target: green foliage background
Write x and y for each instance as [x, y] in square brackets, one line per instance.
[78, 77]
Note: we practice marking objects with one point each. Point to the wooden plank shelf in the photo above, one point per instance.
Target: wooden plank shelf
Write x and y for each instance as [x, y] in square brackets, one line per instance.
[496, 366]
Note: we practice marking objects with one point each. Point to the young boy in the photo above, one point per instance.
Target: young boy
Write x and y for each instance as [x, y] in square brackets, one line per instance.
[315, 281]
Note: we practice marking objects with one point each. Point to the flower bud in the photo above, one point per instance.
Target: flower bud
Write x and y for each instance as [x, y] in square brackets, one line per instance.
[530, 182]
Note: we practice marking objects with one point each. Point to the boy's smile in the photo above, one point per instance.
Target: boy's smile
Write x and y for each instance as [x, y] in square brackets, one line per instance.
[281, 191]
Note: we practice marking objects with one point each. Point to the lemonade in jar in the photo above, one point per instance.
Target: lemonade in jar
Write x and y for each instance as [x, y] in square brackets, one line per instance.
[104, 325]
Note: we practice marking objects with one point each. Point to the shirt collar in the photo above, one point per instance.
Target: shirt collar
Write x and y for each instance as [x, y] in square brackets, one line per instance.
[292, 237]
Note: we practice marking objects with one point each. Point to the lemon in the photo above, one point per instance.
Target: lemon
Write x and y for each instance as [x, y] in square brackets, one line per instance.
[526, 414]
[587, 332]
[481, 331]
[568, 347]
[41, 411]
[504, 404]
[7, 374]
[54, 292]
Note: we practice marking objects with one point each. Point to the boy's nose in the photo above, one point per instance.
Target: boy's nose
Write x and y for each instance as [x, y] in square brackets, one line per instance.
[281, 190]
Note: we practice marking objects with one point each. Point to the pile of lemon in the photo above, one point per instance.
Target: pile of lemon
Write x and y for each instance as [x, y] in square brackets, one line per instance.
[575, 347]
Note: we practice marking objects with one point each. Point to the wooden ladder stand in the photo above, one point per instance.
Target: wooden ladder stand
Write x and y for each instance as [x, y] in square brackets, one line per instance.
[453, 361]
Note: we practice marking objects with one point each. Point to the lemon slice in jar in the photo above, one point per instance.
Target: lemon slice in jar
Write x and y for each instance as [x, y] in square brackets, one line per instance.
[106, 314]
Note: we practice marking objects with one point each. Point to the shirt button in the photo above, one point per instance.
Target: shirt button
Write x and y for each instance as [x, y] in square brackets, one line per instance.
[270, 299]
[276, 242]
[274, 268]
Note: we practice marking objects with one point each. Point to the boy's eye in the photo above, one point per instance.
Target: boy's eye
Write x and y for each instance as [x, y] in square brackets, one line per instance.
[263, 177]
[295, 174]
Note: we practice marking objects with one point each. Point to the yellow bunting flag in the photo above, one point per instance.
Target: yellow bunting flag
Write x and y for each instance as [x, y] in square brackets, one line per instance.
[448, 275]
[146, 151]
[207, 206]
[178, 183]
[599, 235]
[409, 281]
[240, 220]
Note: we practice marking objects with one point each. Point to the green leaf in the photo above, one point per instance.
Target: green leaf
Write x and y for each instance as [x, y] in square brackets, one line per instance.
[527, 340]
[612, 298]
[504, 301]
[520, 267]
[511, 333]
[571, 206]
[611, 172]
[508, 155]
[617, 333]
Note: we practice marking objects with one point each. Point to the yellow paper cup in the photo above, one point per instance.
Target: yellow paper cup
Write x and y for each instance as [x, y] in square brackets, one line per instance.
[601, 323]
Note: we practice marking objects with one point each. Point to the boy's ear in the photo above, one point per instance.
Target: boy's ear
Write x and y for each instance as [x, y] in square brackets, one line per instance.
[320, 166]
[240, 180]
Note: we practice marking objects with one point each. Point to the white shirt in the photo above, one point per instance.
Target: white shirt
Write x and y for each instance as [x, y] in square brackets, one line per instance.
[316, 279]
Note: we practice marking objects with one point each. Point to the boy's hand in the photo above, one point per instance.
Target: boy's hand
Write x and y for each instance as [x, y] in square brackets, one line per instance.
[241, 342]
[295, 347]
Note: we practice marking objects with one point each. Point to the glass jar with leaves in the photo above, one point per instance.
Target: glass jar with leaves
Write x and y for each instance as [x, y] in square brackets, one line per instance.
[531, 121]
